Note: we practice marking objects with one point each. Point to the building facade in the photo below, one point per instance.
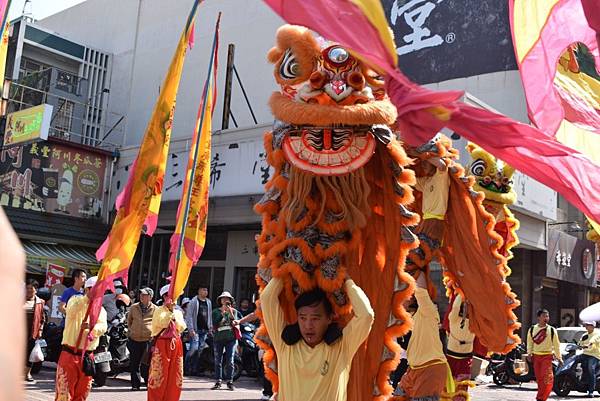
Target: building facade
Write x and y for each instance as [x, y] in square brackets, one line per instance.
[55, 191]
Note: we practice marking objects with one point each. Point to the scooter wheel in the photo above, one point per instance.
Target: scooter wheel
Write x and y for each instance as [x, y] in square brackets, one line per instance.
[100, 379]
[563, 385]
[501, 378]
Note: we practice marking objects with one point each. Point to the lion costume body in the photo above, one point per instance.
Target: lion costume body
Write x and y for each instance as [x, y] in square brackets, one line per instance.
[338, 205]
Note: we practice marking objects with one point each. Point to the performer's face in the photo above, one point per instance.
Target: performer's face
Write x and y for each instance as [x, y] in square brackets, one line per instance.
[313, 321]
[544, 318]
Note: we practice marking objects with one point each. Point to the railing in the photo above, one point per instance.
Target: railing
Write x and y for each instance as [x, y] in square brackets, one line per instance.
[71, 123]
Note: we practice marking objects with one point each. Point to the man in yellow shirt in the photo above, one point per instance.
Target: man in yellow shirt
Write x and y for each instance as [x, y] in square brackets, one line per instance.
[71, 382]
[165, 378]
[543, 345]
[428, 371]
[313, 356]
[590, 342]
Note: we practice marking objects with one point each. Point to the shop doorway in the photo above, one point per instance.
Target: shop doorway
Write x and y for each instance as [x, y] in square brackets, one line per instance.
[245, 284]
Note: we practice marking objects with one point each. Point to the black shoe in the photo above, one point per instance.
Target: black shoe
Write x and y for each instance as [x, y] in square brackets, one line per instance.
[230, 386]
[216, 386]
[135, 389]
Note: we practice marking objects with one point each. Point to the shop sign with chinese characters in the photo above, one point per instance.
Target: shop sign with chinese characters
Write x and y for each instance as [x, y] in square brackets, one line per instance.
[53, 178]
[570, 259]
[27, 125]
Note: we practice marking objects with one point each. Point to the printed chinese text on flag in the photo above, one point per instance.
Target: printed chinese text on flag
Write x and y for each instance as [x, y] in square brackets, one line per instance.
[422, 112]
[193, 208]
[144, 187]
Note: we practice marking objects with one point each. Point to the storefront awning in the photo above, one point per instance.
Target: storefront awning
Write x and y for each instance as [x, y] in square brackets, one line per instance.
[68, 256]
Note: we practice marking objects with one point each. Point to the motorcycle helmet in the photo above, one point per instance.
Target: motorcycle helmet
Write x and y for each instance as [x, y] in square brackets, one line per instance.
[123, 300]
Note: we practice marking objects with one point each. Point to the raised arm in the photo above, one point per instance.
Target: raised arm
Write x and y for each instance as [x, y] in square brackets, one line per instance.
[272, 312]
[357, 330]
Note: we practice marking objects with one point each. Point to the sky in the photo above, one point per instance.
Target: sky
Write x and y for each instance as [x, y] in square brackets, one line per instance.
[40, 8]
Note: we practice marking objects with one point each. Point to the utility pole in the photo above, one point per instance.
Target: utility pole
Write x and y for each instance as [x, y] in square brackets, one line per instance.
[228, 83]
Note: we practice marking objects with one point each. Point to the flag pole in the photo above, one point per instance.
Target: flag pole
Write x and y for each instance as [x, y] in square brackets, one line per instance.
[196, 152]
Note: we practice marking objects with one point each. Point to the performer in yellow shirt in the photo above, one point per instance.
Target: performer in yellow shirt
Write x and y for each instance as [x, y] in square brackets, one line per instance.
[543, 345]
[428, 373]
[313, 356]
[460, 348]
[590, 342]
[71, 382]
[165, 378]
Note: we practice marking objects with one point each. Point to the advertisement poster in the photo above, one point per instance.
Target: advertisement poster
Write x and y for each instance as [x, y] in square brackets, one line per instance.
[53, 178]
[54, 275]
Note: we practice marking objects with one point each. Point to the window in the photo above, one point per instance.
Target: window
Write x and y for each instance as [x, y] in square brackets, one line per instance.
[67, 82]
[245, 283]
[63, 117]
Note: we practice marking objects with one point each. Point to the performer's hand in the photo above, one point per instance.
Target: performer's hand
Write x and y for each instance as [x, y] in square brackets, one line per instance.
[170, 305]
[85, 326]
[235, 323]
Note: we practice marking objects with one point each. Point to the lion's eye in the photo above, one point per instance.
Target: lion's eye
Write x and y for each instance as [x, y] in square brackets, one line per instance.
[290, 68]
[478, 167]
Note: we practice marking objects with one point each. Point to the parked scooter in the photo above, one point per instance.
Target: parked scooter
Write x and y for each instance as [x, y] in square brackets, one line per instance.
[515, 369]
[572, 376]
[112, 356]
[248, 350]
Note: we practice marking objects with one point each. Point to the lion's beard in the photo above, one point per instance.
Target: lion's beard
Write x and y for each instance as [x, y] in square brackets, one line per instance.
[345, 196]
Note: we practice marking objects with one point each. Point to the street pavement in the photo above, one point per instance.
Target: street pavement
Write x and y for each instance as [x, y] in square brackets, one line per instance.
[195, 388]
[248, 389]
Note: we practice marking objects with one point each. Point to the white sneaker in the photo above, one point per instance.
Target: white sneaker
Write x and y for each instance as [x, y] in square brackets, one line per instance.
[265, 398]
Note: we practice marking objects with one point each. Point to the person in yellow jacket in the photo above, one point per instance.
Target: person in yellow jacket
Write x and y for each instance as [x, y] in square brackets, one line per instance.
[313, 356]
[543, 345]
[165, 378]
[590, 342]
[428, 372]
[71, 382]
[460, 347]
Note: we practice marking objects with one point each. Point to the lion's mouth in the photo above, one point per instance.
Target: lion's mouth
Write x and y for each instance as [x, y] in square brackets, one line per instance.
[329, 150]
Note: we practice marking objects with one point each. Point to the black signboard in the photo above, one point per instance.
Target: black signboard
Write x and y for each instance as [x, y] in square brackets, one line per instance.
[570, 259]
[438, 40]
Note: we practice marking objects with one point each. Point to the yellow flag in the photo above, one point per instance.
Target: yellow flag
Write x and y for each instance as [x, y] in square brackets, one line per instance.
[135, 204]
[195, 232]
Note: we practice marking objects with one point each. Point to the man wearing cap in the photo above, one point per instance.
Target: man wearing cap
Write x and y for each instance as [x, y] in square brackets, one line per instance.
[198, 319]
[590, 342]
[71, 381]
[139, 322]
[224, 340]
[165, 379]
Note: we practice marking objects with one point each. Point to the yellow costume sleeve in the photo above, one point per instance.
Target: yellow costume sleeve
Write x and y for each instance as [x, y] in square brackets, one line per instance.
[272, 312]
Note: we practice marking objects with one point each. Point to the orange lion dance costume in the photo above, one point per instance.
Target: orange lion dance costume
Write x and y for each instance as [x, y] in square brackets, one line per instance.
[338, 204]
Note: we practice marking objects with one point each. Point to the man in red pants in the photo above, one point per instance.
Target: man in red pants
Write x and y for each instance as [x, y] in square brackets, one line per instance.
[71, 382]
[543, 345]
[165, 378]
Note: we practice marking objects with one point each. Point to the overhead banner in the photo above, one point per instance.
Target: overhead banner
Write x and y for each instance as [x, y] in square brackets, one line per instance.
[438, 40]
[53, 178]
[27, 125]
